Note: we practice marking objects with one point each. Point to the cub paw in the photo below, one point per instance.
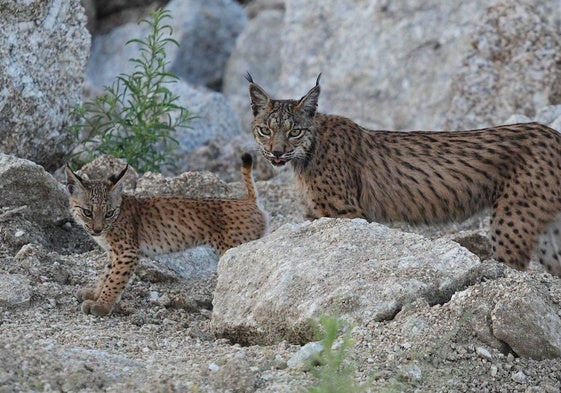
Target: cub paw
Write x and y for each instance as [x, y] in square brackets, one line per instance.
[94, 308]
[86, 294]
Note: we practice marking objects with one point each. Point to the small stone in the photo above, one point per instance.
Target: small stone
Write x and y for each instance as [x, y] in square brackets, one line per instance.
[519, 377]
[301, 359]
[484, 353]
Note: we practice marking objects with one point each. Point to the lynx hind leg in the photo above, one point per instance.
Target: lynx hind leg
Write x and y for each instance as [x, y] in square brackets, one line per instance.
[549, 247]
[516, 224]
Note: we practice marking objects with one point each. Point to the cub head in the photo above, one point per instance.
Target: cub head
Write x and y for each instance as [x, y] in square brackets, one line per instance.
[95, 204]
[284, 129]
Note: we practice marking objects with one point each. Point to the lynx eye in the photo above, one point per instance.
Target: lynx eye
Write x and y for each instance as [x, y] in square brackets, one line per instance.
[87, 213]
[296, 133]
[110, 213]
[265, 132]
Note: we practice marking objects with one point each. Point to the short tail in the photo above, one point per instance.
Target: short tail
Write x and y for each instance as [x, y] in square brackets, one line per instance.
[247, 165]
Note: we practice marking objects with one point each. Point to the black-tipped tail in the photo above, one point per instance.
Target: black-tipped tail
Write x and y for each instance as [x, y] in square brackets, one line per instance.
[247, 160]
[247, 165]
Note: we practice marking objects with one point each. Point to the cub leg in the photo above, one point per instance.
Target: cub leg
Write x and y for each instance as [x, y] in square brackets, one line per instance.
[121, 265]
[92, 293]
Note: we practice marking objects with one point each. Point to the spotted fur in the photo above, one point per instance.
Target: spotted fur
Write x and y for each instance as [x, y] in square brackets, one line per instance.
[129, 227]
[345, 170]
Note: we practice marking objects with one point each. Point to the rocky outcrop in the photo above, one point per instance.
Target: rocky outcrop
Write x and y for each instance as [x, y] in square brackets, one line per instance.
[424, 313]
[44, 47]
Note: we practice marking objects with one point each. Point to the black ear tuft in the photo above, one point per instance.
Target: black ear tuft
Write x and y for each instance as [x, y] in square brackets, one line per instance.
[317, 80]
[248, 77]
[116, 178]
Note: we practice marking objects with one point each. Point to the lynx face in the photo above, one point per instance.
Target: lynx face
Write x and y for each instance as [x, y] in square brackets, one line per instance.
[95, 205]
[283, 129]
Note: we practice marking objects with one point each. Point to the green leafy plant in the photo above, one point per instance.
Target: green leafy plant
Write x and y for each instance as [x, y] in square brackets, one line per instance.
[136, 116]
[332, 367]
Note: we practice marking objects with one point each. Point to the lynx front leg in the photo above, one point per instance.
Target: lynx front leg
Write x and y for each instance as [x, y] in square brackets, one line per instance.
[92, 293]
[121, 267]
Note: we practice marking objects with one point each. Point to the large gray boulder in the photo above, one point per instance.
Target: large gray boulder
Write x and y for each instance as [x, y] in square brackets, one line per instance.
[34, 209]
[363, 272]
[43, 52]
[377, 59]
[515, 313]
[27, 187]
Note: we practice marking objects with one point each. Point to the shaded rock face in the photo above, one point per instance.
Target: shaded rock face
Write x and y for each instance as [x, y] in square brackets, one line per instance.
[43, 53]
[34, 209]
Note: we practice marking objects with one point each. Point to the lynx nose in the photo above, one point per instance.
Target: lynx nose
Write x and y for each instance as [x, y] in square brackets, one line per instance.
[277, 153]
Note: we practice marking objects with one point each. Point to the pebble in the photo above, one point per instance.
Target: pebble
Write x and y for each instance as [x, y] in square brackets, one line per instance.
[519, 377]
[484, 353]
[300, 359]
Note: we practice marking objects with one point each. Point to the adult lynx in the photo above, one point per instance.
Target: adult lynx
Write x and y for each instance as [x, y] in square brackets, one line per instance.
[128, 227]
[345, 170]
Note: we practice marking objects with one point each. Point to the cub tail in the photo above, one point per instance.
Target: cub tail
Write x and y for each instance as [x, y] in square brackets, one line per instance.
[247, 165]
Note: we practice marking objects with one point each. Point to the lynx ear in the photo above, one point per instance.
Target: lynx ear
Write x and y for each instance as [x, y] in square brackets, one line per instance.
[73, 181]
[117, 180]
[309, 103]
[259, 99]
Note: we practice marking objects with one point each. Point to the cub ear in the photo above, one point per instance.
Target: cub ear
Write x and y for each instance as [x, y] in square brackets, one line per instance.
[117, 180]
[73, 181]
[309, 103]
[259, 98]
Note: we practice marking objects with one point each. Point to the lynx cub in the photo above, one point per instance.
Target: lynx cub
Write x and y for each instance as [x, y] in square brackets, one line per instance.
[345, 170]
[128, 227]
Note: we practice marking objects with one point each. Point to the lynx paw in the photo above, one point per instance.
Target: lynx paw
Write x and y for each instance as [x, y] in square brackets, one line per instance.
[94, 308]
[86, 294]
